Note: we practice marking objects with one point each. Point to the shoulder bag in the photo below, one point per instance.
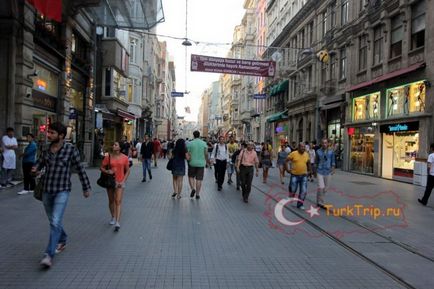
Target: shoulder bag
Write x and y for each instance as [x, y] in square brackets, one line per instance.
[106, 180]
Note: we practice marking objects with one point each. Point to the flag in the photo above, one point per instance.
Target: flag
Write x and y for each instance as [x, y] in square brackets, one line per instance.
[52, 9]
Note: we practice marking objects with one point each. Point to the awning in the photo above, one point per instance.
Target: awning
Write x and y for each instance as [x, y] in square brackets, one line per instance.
[125, 114]
[132, 14]
[280, 87]
[278, 116]
[387, 76]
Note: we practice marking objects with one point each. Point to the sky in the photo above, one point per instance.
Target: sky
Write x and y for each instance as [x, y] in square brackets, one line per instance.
[208, 21]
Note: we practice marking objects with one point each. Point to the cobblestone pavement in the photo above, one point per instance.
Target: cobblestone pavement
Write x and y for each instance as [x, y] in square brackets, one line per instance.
[215, 242]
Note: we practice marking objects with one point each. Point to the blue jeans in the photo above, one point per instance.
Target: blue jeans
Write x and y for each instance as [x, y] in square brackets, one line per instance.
[55, 205]
[298, 181]
[146, 165]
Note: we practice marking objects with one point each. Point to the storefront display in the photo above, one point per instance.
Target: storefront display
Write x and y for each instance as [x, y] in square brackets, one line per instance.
[400, 149]
[280, 134]
[406, 99]
[362, 154]
[366, 107]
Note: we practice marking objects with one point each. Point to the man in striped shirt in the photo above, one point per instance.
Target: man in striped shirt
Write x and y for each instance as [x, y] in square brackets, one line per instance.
[57, 160]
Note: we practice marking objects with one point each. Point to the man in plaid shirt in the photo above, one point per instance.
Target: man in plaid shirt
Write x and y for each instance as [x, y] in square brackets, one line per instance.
[57, 160]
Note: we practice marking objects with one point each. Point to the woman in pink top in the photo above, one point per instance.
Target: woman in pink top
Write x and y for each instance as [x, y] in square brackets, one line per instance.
[119, 167]
[247, 160]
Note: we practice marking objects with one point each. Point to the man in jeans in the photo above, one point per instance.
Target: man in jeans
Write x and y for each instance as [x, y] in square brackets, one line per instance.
[57, 161]
[29, 160]
[198, 151]
[146, 152]
[325, 161]
[220, 158]
[300, 166]
[430, 181]
[247, 160]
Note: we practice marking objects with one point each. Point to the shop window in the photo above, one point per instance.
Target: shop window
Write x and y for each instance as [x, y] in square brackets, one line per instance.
[362, 151]
[373, 106]
[46, 81]
[359, 108]
[418, 25]
[396, 36]
[406, 99]
[77, 99]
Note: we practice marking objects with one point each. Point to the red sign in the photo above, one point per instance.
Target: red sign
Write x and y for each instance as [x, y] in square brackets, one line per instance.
[233, 66]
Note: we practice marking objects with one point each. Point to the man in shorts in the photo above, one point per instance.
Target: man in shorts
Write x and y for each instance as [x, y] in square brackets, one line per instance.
[198, 151]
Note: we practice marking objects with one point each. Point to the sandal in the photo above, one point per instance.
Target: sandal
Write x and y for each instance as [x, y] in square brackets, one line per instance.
[174, 195]
[178, 196]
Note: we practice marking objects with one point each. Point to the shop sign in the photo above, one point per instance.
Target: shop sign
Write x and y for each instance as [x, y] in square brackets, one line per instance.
[177, 94]
[260, 96]
[44, 101]
[399, 127]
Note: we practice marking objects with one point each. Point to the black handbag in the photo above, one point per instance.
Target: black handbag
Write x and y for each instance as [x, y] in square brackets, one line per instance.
[39, 189]
[106, 180]
[169, 165]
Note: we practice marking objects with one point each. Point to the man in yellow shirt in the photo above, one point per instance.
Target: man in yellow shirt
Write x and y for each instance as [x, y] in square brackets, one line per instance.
[300, 167]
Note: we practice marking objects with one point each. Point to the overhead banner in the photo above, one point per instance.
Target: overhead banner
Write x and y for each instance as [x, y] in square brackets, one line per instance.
[232, 66]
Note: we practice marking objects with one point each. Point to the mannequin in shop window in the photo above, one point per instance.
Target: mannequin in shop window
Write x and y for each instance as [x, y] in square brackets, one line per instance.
[406, 99]
[420, 103]
[392, 103]
[375, 107]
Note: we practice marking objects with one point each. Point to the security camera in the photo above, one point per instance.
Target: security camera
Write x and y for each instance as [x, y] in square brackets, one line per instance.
[34, 74]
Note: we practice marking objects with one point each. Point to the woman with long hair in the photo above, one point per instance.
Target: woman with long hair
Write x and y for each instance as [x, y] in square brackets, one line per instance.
[179, 156]
[282, 155]
[116, 164]
[265, 161]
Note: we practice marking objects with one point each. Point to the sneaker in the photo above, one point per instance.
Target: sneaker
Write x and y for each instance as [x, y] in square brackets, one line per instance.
[143, 180]
[31, 192]
[238, 188]
[301, 207]
[219, 188]
[46, 262]
[245, 200]
[60, 248]
[193, 192]
[23, 192]
[321, 206]
[197, 197]
[150, 176]
[422, 202]
[112, 221]
[117, 227]
[174, 195]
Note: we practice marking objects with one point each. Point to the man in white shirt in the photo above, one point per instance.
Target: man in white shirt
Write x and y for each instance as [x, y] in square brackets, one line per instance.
[9, 145]
[220, 158]
[430, 181]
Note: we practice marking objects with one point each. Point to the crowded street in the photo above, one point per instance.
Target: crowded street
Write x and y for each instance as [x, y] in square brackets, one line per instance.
[219, 241]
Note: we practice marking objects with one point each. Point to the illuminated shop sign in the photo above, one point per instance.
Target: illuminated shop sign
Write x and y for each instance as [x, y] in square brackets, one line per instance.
[399, 127]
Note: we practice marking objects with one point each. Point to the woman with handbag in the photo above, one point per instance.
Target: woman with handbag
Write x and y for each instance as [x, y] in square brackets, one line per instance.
[179, 156]
[116, 164]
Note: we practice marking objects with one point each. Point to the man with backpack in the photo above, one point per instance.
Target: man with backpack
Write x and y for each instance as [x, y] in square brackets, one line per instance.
[220, 158]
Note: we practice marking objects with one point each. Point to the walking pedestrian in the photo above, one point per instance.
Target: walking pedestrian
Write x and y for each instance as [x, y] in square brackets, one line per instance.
[164, 146]
[430, 180]
[234, 160]
[157, 150]
[197, 150]
[220, 158]
[9, 145]
[125, 146]
[282, 155]
[210, 149]
[232, 148]
[312, 157]
[138, 147]
[300, 166]
[29, 160]
[179, 157]
[119, 167]
[57, 160]
[265, 161]
[247, 160]
[146, 152]
[325, 160]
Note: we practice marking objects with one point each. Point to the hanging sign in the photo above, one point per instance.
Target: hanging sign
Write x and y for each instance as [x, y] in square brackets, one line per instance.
[260, 96]
[177, 94]
[232, 66]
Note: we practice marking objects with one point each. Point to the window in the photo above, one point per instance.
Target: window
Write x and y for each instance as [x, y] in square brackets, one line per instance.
[406, 99]
[302, 38]
[344, 12]
[333, 15]
[378, 45]
[324, 24]
[332, 67]
[323, 73]
[343, 64]
[418, 25]
[108, 81]
[363, 52]
[362, 5]
[310, 25]
[396, 36]
[366, 107]
[133, 50]
[309, 79]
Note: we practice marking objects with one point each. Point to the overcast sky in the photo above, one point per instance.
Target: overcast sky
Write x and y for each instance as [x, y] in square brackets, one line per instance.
[208, 21]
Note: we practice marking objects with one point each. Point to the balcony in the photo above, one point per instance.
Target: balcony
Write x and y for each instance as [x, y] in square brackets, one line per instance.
[115, 56]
